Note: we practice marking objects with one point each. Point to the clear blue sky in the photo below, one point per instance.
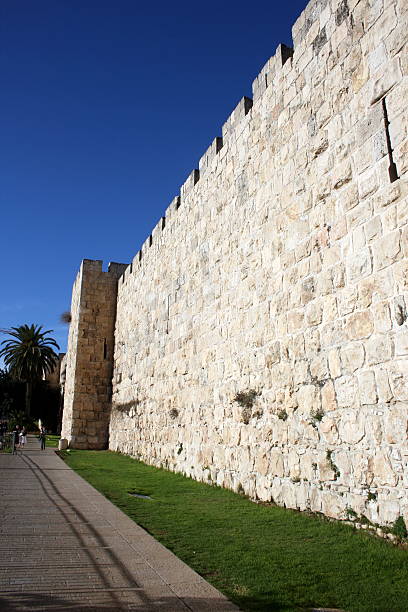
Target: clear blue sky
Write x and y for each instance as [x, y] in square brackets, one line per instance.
[105, 108]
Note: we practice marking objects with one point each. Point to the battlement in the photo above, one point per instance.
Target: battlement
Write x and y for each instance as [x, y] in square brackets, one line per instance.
[310, 33]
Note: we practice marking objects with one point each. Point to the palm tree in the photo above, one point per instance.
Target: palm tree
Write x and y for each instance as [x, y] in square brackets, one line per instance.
[29, 355]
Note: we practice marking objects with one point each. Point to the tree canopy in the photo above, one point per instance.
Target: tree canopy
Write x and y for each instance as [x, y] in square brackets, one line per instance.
[29, 355]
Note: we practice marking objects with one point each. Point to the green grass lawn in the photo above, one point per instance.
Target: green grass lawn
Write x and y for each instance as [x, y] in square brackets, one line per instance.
[262, 557]
[52, 440]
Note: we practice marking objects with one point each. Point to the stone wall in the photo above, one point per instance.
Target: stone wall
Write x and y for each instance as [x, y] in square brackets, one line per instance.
[261, 333]
[88, 366]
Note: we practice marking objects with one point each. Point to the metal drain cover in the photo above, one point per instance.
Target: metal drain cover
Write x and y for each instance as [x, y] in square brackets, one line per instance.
[140, 495]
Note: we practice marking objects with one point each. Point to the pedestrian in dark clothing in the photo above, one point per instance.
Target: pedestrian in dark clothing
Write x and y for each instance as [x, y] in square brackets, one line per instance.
[15, 439]
[42, 438]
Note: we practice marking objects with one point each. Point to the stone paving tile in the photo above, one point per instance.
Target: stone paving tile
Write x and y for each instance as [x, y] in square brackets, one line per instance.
[63, 546]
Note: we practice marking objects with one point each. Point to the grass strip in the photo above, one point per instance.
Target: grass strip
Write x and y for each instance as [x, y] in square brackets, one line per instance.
[52, 440]
[263, 557]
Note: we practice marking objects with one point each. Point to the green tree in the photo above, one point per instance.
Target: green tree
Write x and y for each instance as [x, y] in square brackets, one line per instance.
[29, 356]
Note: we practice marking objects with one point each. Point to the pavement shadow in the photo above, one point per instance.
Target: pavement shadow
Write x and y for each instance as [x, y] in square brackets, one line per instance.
[32, 602]
[115, 595]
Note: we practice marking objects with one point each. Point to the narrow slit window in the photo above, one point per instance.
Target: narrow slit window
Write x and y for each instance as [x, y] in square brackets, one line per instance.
[392, 168]
[150, 240]
[105, 349]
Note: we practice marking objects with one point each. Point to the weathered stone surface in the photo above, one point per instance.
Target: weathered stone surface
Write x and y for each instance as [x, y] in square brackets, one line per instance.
[263, 328]
[384, 474]
[360, 325]
[367, 386]
[352, 427]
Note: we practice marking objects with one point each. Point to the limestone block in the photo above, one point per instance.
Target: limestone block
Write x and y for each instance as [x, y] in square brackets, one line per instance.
[359, 325]
[350, 197]
[388, 194]
[395, 104]
[366, 289]
[315, 499]
[338, 276]
[319, 368]
[379, 145]
[347, 300]
[352, 357]
[379, 349]
[351, 427]
[358, 240]
[289, 495]
[359, 214]
[334, 362]
[387, 250]
[324, 282]
[383, 471]
[400, 274]
[329, 307]
[360, 265]
[301, 374]
[382, 317]
[383, 385]
[389, 75]
[396, 425]
[401, 343]
[277, 491]
[302, 496]
[276, 463]
[344, 465]
[389, 511]
[263, 489]
[328, 430]
[367, 387]
[307, 466]
[331, 334]
[398, 377]
[325, 471]
[362, 468]
[404, 241]
[374, 428]
[341, 174]
[307, 398]
[368, 183]
[293, 465]
[273, 354]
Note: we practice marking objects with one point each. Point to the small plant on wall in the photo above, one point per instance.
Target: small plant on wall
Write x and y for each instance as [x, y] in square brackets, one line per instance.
[315, 417]
[126, 408]
[173, 413]
[246, 400]
[399, 528]
[332, 465]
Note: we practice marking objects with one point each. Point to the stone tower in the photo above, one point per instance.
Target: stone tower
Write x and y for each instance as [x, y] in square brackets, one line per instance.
[87, 397]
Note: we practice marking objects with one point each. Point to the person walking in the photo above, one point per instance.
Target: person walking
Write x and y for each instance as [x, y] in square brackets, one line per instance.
[42, 438]
[17, 436]
[15, 439]
[23, 437]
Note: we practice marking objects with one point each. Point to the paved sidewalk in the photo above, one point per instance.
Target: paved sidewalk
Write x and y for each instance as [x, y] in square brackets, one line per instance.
[63, 546]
